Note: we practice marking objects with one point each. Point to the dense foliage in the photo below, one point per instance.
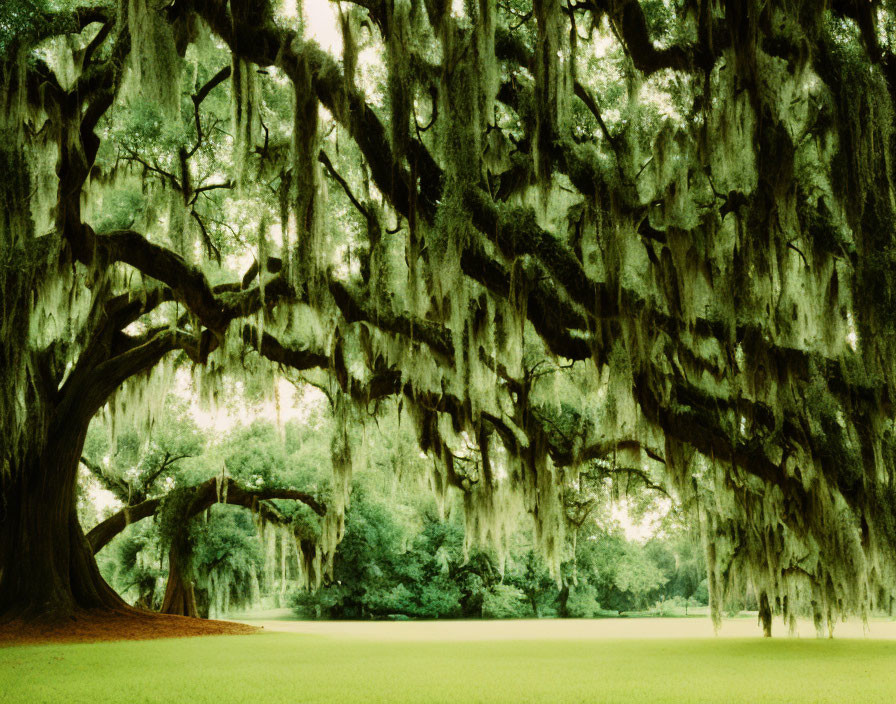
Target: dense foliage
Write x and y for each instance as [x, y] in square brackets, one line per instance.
[384, 569]
[399, 558]
[222, 512]
[610, 238]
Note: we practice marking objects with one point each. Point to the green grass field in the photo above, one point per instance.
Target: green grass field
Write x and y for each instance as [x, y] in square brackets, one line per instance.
[290, 667]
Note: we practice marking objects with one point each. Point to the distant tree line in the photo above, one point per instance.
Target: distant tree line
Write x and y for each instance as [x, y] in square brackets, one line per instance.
[385, 569]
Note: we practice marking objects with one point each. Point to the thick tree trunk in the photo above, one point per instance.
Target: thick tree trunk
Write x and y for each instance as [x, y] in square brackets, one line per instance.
[180, 594]
[47, 568]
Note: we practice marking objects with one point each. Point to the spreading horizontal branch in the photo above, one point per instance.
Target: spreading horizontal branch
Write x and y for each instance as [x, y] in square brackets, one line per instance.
[205, 496]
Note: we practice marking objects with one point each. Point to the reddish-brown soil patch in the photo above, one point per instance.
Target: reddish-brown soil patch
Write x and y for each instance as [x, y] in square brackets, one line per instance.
[93, 626]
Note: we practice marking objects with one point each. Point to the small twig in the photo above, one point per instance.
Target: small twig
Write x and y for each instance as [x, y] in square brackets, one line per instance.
[203, 92]
[210, 187]
[206, 239]
[798, 251]
[267, 136]
[328, 165]
[393, 230]
[643, 166]
[433, 117]
[133, 156]
[593, 107]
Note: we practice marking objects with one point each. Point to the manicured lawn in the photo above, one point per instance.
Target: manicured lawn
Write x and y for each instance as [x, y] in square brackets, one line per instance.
[287, 667]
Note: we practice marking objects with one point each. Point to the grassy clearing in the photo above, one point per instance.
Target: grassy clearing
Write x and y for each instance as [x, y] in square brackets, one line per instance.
[287, 667]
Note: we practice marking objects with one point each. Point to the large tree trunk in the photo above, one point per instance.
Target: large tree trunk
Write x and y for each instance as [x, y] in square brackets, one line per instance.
[180, 594]
[47, 568]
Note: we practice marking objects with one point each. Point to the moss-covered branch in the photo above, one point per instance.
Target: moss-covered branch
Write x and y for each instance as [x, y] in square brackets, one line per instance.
[204, 496]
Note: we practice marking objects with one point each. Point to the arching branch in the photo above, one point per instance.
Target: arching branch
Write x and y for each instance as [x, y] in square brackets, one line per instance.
[205, 496]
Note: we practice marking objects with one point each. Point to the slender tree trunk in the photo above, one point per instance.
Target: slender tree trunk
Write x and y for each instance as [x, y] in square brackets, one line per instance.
[765, 615]
[563, 611]
[47, 568]
[180, 593]
[817, 619]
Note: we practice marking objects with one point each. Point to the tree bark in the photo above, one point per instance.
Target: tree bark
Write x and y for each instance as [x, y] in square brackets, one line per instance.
[180, 592]
[47, 568]
[102, 534]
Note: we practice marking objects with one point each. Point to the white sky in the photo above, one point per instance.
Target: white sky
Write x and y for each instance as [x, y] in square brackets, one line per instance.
[639, 530]
[322, 22]
[222, 419]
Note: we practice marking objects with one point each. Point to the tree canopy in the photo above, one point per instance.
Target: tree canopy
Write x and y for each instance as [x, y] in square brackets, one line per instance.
[654, 237]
